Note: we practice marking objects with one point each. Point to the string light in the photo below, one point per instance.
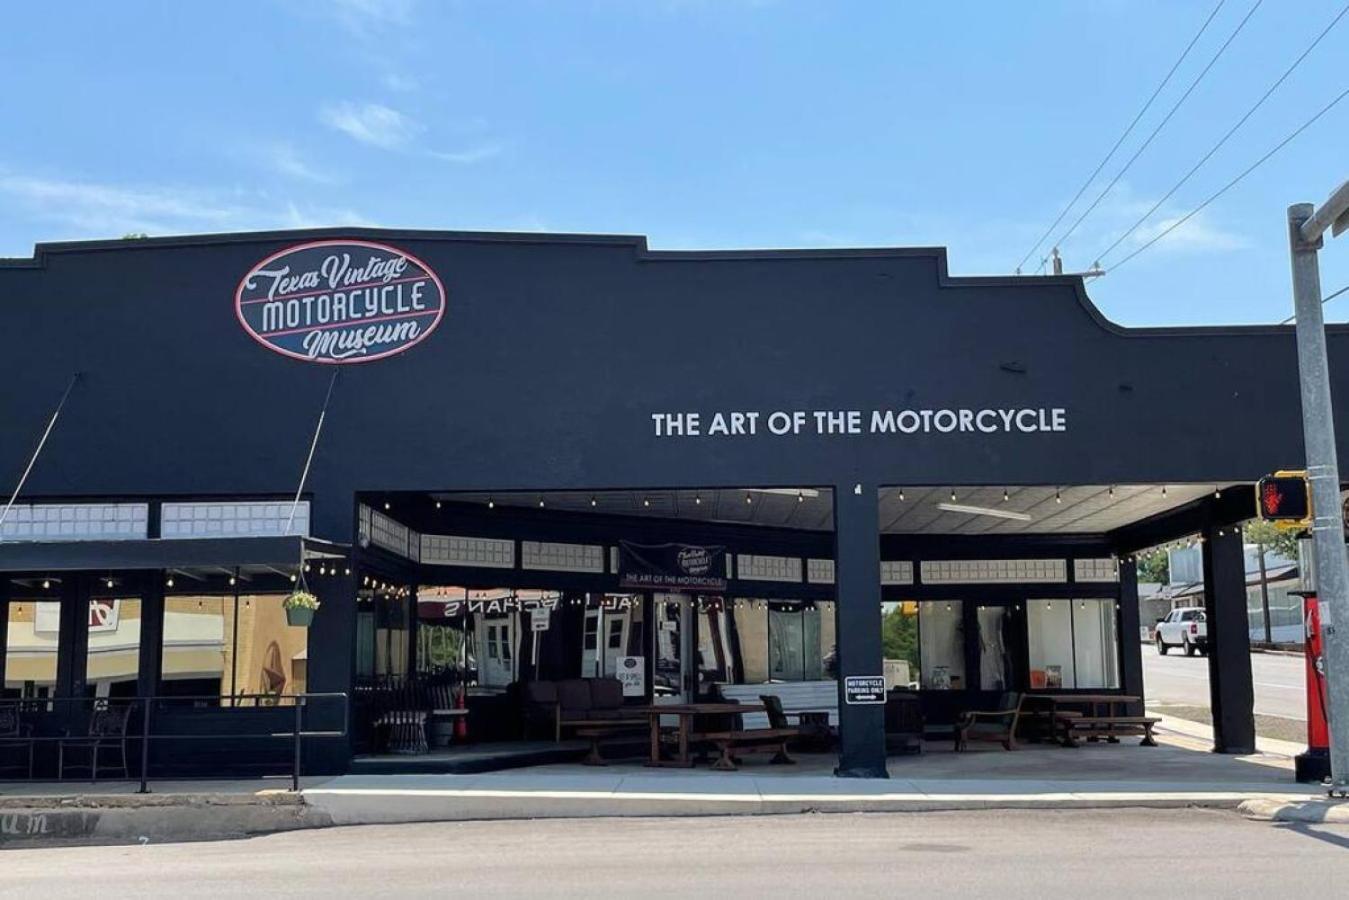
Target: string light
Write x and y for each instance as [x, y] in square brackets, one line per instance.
[169, 581]
[386, 505]
[697, 500]
[1058, 498]
[540, 501]
[800, 497]
[953, 495]
[232, 581]
[1217, 494]
[1112, 490]
[748, 499]
[437, 504]
[1005, 496]
[901, 495]
[46, 584]
[1163, 490]
[491, 504]
[593, 502]
[109, 582]
[646, 502]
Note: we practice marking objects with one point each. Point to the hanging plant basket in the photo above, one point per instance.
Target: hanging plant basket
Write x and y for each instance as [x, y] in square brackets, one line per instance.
[300, 607]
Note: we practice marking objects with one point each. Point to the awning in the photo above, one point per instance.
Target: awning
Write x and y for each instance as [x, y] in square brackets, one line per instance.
[278, 553]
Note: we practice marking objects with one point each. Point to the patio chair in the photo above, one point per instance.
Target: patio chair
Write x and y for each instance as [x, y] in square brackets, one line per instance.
[15, 734]
[998, 725]
[107, 732]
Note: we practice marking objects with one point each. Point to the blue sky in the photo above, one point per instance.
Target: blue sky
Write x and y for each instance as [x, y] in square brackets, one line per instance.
[699, 123]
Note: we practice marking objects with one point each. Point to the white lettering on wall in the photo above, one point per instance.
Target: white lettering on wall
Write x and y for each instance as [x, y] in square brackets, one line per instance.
[843, 422]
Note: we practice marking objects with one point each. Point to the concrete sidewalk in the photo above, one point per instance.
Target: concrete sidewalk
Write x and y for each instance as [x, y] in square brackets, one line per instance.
[1179, 773]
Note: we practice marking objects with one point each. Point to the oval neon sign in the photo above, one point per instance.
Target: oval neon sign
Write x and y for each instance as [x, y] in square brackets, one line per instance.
[340, 301]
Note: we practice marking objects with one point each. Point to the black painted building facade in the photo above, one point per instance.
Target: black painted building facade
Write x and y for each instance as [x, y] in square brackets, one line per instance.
[466, 380]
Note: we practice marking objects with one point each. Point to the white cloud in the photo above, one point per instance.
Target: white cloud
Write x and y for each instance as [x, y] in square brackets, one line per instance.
[94, 209]
[371, 123]
[469, 155]
[1199, 233]
[285, 159]
[395, 81]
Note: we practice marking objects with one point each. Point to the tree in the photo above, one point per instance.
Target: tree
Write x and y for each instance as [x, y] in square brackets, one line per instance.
[1270, 537]
[899, 635]
[1154, 566]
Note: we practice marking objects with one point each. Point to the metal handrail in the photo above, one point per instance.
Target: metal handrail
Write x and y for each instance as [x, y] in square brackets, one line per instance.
[296, 734]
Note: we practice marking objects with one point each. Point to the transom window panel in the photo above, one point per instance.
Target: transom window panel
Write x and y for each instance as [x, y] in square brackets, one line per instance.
[76, 522]
[1095, 570]
[558, 557]
[820, 571]
[752, 567]
[994, 571]
[233, 519]
[896, 571]
[454, 550]
[389, 534]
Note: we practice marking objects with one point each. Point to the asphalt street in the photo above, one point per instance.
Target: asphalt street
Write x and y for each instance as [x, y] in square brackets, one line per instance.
[1177, 678]
[1007, 854]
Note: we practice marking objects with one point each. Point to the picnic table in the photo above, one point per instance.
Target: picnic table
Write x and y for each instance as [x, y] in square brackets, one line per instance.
[686, 714]
[1104, 717]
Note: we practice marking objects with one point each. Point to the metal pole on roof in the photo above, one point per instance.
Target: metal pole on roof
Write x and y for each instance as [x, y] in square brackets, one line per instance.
[1306, 225]
[313, 445]
[51, 423]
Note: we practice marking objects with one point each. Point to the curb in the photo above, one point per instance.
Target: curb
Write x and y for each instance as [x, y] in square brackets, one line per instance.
[83, 820]
[1332, 812]
[356, 807]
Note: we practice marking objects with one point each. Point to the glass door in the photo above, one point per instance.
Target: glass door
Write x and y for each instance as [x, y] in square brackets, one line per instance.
[32, 638]
[672, 651]
[112, 651]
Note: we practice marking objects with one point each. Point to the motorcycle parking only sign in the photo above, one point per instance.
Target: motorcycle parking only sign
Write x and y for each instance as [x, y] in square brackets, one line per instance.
[864, 689]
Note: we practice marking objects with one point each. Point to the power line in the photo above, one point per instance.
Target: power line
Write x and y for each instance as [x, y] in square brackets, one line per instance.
[1231, 184]
[1162, 124]
[1324, 300]
[1231, 131]
[1146, 106]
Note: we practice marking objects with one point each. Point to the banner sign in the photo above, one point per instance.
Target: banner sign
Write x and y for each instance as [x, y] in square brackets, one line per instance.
[676, 567]
[340, 301]
[490, 606]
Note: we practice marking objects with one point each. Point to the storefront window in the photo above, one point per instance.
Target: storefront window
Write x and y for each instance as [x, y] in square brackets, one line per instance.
[30, 648]
[941, 645]
[238, 649]
[113, 660]
[1072, 644]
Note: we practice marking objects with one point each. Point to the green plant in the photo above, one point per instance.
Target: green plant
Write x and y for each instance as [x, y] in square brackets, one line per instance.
[300, 600]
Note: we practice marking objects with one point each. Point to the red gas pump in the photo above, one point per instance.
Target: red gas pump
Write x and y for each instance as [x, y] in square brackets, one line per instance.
[1314, 765]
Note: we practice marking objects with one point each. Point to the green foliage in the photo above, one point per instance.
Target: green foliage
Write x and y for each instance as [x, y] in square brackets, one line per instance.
[899, 636]
[1273, 538]
[1155, 567]
[300, 600]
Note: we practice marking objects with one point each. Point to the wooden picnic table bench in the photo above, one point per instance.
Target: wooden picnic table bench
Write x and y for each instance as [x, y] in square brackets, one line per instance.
[597, 730]
[1102, 718]
[749, 739]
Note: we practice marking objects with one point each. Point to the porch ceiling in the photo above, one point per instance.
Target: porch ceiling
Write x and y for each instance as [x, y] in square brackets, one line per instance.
[1080, 509]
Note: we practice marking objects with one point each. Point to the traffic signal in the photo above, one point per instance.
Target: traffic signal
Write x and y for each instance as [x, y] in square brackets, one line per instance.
[1285, 499]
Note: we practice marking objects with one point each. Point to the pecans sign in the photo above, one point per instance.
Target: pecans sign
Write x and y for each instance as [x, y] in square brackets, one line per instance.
[340, 301]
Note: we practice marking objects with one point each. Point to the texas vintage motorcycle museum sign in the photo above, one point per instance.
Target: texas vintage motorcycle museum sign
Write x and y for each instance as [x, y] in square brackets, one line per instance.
[340, 301]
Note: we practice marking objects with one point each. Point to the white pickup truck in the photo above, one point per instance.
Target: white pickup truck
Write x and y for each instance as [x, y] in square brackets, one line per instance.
[1186, 628]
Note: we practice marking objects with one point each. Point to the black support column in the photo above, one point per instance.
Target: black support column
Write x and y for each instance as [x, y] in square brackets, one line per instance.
[857, 580]
[1131, 644]
[1232, 694]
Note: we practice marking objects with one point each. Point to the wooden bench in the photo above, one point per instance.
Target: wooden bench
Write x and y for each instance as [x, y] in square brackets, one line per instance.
[1112, 728]
[751, 739]
[596, 730]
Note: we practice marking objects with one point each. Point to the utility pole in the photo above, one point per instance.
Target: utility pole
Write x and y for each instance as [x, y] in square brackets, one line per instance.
[1306, 225]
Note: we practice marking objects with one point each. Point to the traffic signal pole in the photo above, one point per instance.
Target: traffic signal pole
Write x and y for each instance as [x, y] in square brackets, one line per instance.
[1305, 227]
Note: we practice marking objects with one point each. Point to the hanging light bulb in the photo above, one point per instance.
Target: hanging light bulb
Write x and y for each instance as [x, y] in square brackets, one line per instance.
[169, 581]
[1217, 494]
[800, 497]
[437, 504]
[593, 502]
[491, 504]
[646, 502]
[46, 584]
[953, 495]
[232, 581]
[1163, 490]
[294, 578]
[386, 505]
[1058, 498]
[1112, 490]
[697, 500]
[540, 501]
[901, 495]
[109, 582]
[748, 499]
[1005, 496]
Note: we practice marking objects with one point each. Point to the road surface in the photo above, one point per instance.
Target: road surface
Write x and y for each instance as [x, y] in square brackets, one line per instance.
[1177, 678]
[1003, 854]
